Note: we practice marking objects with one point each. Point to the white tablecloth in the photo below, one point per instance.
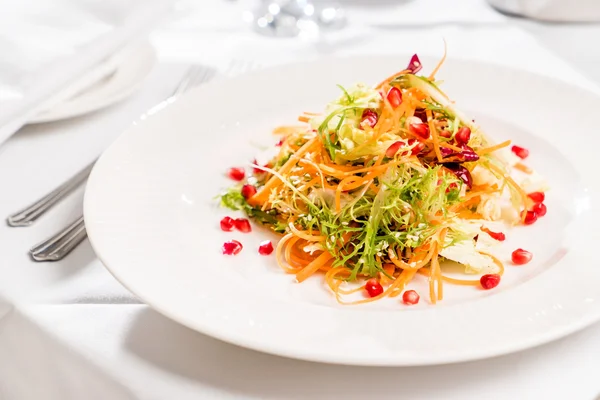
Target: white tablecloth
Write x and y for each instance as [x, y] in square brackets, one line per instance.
[68, 330]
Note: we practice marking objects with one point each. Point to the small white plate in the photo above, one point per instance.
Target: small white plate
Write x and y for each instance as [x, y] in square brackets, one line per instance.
[153, 221]
[127, 70]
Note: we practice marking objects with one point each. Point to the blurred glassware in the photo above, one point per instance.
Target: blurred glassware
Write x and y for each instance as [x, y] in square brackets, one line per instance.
[552, 10]
[286, 18]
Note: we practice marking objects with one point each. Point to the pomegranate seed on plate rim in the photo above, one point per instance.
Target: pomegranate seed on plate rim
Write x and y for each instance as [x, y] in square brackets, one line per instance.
[373, 287]
[248, 190]
[540, 209]
[530, 217]
[243, 225]
[521, 257]
[232, 248]
[227, 224]
[537, 197]
[489, 281]
[410, 297]
[236, 173]
[520, 152]
[265, 248]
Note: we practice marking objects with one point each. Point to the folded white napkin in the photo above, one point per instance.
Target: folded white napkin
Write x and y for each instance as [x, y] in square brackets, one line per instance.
[552, 10]
[48, 44]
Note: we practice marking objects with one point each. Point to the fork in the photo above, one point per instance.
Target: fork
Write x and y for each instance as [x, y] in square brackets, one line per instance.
[62, 243]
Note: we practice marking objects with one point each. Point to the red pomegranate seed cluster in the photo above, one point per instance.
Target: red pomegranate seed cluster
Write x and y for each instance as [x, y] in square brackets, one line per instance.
[539, 209]
[228, 224]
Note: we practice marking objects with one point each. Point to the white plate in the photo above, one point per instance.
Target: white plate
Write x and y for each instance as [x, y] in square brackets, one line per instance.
[153, 221]
[126, 72]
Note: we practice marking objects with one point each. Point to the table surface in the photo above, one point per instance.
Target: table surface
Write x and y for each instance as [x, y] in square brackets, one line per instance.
[76, 332]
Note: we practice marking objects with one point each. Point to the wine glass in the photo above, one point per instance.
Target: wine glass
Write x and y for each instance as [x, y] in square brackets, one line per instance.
[285, 18]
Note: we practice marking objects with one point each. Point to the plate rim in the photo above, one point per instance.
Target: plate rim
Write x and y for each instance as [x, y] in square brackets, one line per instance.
[551, 335]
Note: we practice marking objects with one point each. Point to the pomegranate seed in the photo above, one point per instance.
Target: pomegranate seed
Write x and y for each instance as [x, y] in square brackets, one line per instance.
[256, 170]
[394, 96]
[242, 225]
[418, 146]
[540, 209]
[499, 236]
[537, 197]
[414, 65]
[451, 187]
[530, 217]
[227, 224]
[248, 191]
[232, 248]
[445, 134]
[462, 173]
[410, 297]
[489, 281]
[520, 256]
[237, 174]
[265, 248]
[369, 118]
[280, 143]
[393, 149]
[520, 152]
[463, 135]
[373, 287]
[421, 130]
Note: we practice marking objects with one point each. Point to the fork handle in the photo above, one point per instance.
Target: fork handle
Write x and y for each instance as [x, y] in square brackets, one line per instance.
[61, 244]
[28, 215]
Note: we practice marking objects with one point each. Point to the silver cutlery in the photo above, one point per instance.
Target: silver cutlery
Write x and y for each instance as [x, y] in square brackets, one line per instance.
[29, 214]
[62, 243]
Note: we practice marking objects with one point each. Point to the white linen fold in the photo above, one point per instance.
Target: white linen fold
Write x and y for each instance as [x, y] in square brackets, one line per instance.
[51, 43]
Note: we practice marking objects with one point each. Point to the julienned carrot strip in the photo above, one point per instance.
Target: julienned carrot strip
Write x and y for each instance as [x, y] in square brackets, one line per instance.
[439, 65]
[303, 118]
[304, 235]
[313, 266]
[339, 189]
[451, 147]
[434, 135]
[261, 197]
[288, 130]
[490, 149]
[523, 168]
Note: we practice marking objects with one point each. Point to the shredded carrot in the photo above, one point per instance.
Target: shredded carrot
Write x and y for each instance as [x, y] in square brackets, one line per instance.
[313, 266]
[439, 65]
[434, 135]
[316, 188]
[491, 149]
[523, 168]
